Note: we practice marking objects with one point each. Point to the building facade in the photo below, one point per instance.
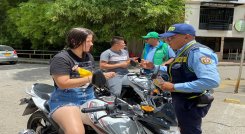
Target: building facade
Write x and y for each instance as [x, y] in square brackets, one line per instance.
[219, 24]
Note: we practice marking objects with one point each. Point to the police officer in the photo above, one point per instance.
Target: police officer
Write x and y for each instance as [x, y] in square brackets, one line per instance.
[192, 74]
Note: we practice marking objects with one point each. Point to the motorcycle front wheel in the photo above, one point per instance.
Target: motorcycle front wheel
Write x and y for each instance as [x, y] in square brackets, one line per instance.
[41, 124]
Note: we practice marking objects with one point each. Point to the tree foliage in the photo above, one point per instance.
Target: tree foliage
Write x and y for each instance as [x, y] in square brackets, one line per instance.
[45, 22]
[8, 30]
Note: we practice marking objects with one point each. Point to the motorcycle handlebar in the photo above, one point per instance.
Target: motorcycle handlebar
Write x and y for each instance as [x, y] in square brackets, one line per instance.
[106, 107]
[99, 108]
[93, 109]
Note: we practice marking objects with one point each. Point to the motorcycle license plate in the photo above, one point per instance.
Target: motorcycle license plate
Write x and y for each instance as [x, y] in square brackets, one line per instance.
[7, 54]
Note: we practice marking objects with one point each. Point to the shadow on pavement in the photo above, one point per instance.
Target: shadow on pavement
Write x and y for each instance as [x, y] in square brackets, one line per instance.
[19, 66]
[33, 75]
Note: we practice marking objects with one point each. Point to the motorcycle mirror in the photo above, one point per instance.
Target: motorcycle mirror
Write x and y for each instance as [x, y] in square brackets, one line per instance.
[155, 72]
[98, 79]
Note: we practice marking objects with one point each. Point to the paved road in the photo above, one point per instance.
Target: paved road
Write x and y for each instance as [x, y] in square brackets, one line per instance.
[223, 118]
[14, 80]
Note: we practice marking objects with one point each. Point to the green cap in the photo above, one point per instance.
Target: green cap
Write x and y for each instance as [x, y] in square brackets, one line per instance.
[151, 35]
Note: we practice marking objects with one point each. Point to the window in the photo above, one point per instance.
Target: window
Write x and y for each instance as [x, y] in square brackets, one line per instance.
[216, 16]
[6, 48]
[211, 42]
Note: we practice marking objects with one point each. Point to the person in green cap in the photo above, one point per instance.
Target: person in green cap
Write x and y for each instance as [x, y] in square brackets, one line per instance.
[157, 51]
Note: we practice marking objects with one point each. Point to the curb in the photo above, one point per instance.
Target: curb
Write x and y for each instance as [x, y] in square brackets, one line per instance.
[33, 61]
[230, 64]
[234, 101]
[46, 61]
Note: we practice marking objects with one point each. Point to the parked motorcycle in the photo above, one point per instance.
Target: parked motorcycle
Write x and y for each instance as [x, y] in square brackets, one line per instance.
[154, 114]
[134, 85]
[37, 106]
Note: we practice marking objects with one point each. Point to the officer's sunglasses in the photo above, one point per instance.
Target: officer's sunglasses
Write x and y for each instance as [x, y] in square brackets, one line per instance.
[171, 38]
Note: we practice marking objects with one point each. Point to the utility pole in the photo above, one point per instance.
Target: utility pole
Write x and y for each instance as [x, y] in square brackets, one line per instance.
[240, 69]
[242, 29]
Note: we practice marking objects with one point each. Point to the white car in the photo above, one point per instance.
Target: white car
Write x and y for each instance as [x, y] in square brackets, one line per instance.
[8, 54]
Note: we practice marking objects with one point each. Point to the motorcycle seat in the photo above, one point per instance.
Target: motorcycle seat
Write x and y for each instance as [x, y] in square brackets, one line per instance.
[42, 90]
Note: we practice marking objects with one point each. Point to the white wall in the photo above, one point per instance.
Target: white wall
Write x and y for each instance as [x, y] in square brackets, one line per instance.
[239, 1]
[192, 17]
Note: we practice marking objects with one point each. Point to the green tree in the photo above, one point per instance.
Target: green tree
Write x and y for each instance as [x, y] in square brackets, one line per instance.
[4, 6]
[8, 30]
[45, 22]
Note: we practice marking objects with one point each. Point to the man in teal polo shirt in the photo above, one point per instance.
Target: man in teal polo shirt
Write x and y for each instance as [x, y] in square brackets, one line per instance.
[157, 51]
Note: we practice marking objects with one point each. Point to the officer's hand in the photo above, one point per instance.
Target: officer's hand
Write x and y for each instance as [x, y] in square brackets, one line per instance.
[109, 75]
[168, 86]
[146, 64]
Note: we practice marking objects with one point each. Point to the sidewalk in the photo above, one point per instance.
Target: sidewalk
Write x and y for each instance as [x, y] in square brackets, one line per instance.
[226, 115]
[230, 63]
[46, 61]
[33, 61]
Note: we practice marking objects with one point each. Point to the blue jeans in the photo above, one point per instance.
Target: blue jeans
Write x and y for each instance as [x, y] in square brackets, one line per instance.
[70, 97]
[115, 85]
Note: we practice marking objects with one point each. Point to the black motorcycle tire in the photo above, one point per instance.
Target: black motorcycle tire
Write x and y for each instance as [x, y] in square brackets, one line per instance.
[38, 122]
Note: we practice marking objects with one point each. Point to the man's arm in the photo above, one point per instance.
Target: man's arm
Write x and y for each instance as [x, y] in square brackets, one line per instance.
[168, 61]
[105, 65]
[171, 54]
[149, 65]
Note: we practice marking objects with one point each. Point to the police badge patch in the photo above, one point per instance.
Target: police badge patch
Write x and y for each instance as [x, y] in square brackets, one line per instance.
[205, 60]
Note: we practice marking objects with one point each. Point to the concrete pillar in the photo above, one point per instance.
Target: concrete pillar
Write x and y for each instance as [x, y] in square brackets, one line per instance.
[221, 48]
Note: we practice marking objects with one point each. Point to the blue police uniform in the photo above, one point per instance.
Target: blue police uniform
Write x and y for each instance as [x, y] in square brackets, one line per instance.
[199, 61]
[193, 72]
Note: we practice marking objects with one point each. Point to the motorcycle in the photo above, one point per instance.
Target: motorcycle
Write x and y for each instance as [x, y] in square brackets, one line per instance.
[135, 84]
[154, 114]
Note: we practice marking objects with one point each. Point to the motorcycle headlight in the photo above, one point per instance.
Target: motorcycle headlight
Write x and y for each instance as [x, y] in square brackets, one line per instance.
[147, 108]
[155, 91]
[173, 130]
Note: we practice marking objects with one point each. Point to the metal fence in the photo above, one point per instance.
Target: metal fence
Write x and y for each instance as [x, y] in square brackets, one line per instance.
[40, 54]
